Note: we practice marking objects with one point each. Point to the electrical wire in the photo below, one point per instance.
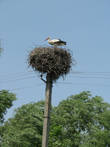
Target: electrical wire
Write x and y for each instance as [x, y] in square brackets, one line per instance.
[72, 72]
[18, 79]
[67, 83]
[20, 76]
[29, 75]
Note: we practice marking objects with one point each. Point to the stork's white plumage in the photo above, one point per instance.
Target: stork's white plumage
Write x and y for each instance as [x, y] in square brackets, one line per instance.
[56, 42]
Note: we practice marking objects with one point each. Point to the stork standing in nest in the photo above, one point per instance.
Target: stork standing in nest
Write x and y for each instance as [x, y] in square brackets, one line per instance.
[56, 42]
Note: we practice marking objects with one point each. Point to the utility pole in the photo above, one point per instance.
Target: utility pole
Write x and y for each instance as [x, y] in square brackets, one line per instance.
[52, 62]
[48, 94]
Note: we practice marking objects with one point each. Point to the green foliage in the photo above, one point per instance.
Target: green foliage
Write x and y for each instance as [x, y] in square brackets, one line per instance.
[6, 100]
[25, 129]
[79, 121]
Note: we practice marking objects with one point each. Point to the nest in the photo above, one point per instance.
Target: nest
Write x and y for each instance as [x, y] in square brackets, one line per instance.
[54, 61]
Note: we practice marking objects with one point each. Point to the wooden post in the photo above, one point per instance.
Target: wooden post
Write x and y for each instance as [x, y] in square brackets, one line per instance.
[48, 94]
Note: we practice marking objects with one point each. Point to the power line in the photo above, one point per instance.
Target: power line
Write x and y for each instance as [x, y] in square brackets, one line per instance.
[30, 75]
[15, 74]
[92, 77]
[67, 83]
[91, 73]
[22, 88]
[72, 72]
[18, 79]
[33, 76]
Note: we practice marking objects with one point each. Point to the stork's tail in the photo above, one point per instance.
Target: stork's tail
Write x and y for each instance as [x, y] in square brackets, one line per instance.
[63, 42]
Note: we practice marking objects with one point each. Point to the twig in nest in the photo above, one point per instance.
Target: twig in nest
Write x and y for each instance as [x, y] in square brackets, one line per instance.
[42, 78]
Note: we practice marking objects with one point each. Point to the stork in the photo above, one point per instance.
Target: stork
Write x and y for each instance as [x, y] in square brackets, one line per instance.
[56, 42]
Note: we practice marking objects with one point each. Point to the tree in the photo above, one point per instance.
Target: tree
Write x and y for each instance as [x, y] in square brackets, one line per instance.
[79, 121]
[25, 129]
[6, 100]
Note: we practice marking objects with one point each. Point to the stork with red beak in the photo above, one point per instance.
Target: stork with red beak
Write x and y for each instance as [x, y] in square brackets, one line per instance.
[56, 42]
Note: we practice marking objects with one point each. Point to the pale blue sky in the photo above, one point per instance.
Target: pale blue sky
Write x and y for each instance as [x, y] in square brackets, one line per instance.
[84, 24]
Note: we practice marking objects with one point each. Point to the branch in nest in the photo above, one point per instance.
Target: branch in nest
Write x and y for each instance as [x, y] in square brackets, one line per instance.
[42, 78]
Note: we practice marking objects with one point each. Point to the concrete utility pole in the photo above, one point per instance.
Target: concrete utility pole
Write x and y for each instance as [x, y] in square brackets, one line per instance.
[48, 94]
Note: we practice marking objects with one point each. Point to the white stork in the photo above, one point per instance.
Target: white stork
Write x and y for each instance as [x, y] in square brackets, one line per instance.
[56, 42]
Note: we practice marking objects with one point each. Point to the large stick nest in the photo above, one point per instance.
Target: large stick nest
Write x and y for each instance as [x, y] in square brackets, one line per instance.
[50, 60]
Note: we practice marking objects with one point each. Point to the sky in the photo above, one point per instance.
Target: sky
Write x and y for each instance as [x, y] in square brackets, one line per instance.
[84, 25]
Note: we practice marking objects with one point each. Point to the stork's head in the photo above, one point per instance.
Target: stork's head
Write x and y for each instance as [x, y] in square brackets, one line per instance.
[47, 38]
